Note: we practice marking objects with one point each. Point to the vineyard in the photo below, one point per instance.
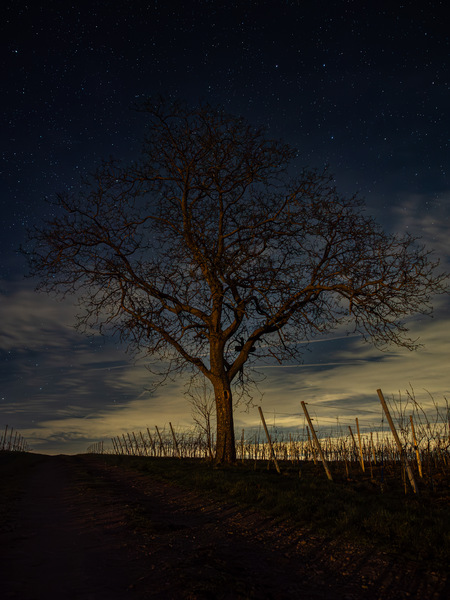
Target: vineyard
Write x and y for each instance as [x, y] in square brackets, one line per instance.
[12, 441]
[409, 442]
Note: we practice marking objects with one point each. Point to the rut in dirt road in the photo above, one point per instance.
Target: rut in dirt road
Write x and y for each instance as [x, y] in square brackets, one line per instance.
[53, 549]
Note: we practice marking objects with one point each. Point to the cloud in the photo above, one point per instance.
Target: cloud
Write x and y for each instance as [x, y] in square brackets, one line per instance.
[32, 320]
[73, 428]
[425, 216]
[347, 389]
[63, 390]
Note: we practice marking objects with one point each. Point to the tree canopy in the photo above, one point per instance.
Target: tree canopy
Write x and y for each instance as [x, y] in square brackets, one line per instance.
[207, 254]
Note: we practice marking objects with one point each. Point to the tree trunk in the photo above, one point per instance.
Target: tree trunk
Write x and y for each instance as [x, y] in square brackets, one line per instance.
[225, 443]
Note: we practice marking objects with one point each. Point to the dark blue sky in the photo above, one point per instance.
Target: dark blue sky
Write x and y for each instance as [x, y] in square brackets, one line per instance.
[362, 87]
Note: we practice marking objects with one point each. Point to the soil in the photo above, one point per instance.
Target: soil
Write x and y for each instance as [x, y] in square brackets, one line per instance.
[84, 530]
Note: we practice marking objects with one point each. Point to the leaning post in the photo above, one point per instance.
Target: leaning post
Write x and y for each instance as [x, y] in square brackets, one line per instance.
[398, 442]
[361, 455]
[151, 442]
[316, 441]
[416, 447]
[161, 445]
[272, 453]
[175, 443]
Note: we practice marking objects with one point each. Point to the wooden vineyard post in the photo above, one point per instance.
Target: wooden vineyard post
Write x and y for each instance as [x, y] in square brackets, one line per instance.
[361, 456]
[398, 442]
[373, 449]
[138, 450]
[416, 448]
[120, 444]
[311, 445]
[10, 438]
[175, 443]
[151, 441]
[131, 444]
[316, 440]
[162, 447]
[144, 444]
[256, 450]
[2, 441]
[344, 454]
[274, 458]
[355, 449]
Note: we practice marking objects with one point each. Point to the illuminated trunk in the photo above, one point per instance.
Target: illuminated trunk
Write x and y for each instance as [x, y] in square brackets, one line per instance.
[225, 443]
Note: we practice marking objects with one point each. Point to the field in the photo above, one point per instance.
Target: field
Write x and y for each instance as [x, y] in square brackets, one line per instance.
[389, 485]
[148, 527]
[358, 510]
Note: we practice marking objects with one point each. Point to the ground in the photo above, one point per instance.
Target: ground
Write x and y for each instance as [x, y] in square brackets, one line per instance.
[79, 529]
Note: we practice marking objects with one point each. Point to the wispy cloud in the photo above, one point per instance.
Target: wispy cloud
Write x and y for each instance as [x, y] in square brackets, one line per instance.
[348, 388]
[63, 390]
[427, 217]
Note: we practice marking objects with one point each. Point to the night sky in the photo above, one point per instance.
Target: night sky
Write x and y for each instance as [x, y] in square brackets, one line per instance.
[361, 87]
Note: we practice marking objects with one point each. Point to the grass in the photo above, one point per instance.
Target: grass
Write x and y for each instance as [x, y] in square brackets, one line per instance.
[359, 511]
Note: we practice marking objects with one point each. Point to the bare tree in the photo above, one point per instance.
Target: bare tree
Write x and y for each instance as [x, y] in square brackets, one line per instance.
[207, 255]
[203, 405]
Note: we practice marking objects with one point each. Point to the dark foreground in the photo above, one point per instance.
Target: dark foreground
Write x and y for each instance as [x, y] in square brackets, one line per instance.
[76, 528]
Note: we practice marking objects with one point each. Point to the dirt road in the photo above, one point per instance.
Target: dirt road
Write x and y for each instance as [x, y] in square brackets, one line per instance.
[84, 530]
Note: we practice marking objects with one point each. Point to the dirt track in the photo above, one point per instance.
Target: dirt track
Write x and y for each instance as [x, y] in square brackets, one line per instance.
[86, 531]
